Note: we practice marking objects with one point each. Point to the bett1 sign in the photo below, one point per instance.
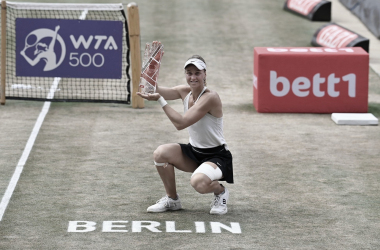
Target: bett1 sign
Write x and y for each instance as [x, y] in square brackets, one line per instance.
[310, 80]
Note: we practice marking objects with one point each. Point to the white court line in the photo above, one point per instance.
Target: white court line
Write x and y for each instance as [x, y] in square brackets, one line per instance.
[20, 166]
[29, 145]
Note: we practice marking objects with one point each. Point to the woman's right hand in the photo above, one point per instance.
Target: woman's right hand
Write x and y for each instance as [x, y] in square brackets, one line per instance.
[149, 97]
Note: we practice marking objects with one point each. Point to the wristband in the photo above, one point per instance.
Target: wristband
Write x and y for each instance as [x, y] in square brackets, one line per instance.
[162, 101]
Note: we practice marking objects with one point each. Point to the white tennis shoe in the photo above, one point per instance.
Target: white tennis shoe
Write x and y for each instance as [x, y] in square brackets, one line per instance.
[219, 204]
[165, 204]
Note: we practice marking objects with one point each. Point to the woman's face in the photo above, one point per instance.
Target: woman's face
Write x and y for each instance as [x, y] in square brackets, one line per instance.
[194, 76]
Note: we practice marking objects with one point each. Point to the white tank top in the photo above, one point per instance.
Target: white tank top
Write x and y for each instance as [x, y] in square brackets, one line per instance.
[208, 131]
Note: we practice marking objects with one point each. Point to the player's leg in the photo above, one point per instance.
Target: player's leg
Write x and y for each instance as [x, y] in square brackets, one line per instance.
[166, 157]
[171, 155]
[205, 180]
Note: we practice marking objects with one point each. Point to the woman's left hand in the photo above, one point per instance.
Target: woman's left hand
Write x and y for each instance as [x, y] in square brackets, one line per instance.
[149, 97]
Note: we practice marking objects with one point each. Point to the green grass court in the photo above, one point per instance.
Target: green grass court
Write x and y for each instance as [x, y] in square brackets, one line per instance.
[301, 181]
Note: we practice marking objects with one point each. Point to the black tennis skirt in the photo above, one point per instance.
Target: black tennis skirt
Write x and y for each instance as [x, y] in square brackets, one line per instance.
[218, 155]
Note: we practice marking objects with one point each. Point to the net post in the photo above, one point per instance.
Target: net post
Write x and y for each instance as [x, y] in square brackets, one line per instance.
[3, 49]
[134, 39]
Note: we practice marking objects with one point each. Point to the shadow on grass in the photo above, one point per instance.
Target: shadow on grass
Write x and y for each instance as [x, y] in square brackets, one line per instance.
[374, 108]
[241, 108]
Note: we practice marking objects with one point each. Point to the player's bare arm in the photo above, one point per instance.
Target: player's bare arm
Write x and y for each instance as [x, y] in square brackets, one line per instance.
[209, 103]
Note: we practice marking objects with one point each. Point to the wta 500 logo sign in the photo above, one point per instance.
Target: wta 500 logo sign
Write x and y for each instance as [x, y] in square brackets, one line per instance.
[68, 48]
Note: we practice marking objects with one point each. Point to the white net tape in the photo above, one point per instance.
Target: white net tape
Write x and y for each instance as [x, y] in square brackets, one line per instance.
[64, 6]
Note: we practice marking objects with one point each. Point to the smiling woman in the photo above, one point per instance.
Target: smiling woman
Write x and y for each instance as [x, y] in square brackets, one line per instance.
[197, 66]
[207, 155]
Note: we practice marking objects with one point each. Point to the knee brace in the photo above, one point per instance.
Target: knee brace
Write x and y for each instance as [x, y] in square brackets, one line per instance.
[160, 164]
[209, 171]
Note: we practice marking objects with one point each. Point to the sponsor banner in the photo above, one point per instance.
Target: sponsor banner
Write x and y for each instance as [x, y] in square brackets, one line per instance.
[314, 10]
[310, 80]
[335, 36]
[303, 7]
[68, 48]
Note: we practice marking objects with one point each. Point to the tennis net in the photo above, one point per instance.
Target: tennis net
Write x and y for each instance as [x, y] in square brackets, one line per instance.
[84, 77]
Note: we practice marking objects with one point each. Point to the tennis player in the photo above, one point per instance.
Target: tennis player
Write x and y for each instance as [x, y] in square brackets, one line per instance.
[207, 155]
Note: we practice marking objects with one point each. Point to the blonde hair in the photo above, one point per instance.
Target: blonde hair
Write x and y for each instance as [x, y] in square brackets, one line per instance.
[203, 60]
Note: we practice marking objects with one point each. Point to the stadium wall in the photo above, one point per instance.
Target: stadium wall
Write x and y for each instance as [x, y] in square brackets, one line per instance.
[368, 11]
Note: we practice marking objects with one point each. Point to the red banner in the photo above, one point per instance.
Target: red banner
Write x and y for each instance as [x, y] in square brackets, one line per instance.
[303, 7]
[311, 80]
[334, 36]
